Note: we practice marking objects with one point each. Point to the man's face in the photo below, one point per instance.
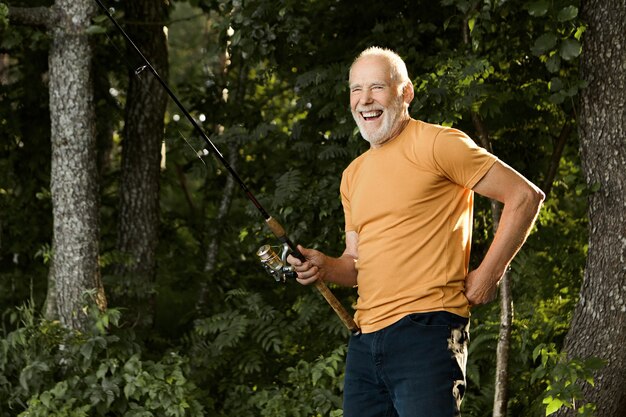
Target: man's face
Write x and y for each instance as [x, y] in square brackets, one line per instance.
[376, 101]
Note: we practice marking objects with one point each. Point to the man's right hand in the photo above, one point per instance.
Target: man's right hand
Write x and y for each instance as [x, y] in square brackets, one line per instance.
[311, 269]
[317, 265]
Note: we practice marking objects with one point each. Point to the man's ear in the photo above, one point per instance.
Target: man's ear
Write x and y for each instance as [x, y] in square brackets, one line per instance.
[408, 93]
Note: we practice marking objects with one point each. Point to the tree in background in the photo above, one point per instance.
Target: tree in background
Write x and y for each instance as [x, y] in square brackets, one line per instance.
[598, 328]
[138, 215]
[74, 268]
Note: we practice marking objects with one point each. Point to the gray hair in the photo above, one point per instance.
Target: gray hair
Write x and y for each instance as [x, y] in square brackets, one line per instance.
[398, 67]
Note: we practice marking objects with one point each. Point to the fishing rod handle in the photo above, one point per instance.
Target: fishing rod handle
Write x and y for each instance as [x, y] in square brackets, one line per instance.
[278, 231]
[341, 312]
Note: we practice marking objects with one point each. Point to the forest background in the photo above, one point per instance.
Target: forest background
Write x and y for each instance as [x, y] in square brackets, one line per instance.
[129, 283]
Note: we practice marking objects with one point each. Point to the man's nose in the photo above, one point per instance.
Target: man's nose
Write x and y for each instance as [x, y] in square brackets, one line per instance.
[366, 96]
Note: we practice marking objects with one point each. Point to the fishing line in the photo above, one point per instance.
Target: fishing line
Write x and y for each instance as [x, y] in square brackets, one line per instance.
[199, 154]
[138, 72]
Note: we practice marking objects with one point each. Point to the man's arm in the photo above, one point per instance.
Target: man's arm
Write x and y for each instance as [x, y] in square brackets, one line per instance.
[341, 270]
[522, 201]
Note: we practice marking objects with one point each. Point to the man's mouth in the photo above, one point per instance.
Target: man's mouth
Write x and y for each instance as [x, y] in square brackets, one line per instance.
[371, 115]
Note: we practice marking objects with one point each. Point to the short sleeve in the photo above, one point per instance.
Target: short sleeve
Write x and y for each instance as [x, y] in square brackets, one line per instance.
[345, 201]
[460, 159]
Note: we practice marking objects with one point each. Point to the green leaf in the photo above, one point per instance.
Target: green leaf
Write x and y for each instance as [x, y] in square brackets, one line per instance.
[95, 29]
[538, 374]
[553, 64]
[567, 13]
[129, 390]
[100, 18]
[555, 84]
[86, 350]
[595, 187]
[471, 23]
[570, 49]
[537, 351]
[579, 32]
[553, 406]
[4, 16]
[60, 389]
[538, 8]
[46, 399]
[594, 362]
[544, 43]
[287, 186]
[102, 370]
[557, 98]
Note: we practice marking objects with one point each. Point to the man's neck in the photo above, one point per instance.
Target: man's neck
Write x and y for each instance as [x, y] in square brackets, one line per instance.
[400, 126]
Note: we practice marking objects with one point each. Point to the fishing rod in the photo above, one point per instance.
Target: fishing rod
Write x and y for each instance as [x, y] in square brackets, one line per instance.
[276, 266]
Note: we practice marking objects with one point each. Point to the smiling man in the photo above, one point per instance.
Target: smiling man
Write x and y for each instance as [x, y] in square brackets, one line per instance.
[380, 97]
[408, 204]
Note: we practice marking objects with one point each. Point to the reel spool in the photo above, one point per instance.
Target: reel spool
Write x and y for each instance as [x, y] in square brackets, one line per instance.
[279, 268]
[276, 266]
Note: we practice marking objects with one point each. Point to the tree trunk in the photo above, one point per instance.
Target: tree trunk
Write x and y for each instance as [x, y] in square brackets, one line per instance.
[141, 153]
[73, 171]
[501, 385]
[599, 324]
[501, 393]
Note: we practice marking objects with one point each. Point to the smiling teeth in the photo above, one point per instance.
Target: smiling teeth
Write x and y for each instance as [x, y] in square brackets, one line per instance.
[372, 113]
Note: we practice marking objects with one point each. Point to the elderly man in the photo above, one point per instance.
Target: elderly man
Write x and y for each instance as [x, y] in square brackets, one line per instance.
[408, 203]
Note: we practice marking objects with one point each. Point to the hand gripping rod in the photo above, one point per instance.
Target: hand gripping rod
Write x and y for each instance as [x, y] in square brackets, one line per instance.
[275, 227]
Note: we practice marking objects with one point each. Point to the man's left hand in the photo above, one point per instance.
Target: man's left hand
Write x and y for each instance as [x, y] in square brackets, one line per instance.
[480, 289]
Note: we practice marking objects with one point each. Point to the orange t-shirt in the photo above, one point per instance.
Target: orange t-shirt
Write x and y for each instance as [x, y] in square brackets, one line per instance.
[410, 201]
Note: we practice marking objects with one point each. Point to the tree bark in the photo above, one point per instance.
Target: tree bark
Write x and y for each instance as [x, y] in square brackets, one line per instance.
[45, 17]
[138, 224]
[598, 327]
[73, 175]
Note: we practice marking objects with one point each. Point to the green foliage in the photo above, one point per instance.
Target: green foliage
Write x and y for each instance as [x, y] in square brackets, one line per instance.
[48, 370]
[269, 80]
[288, 184]
[4, 16]
[563, 378]
[261, 361]
[542, 316]
[310, 389]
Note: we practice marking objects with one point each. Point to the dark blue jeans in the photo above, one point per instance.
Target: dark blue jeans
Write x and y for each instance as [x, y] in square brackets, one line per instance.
[413, 368]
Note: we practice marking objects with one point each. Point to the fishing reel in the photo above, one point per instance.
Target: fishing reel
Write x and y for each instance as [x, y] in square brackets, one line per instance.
[276, 266]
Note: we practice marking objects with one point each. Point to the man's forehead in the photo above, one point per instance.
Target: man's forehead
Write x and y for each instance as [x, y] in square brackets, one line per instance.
[370, 69]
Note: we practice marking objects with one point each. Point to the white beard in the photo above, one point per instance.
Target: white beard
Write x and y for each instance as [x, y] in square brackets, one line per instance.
[392, 116]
